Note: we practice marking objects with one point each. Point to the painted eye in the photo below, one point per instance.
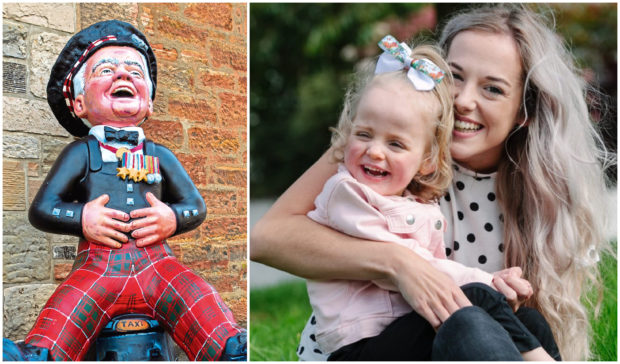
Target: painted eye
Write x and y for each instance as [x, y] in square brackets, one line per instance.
[136, 74]
[106, 71]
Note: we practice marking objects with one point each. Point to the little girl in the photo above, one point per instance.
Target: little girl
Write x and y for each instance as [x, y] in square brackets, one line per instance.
[392, 143]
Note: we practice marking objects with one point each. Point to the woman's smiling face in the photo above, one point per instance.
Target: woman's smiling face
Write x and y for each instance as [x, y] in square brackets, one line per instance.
[488, 91]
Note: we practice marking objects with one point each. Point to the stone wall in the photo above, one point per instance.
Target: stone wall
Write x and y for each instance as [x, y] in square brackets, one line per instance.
[199, 113]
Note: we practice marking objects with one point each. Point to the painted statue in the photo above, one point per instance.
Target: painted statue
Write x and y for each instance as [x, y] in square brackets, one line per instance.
[123, 195]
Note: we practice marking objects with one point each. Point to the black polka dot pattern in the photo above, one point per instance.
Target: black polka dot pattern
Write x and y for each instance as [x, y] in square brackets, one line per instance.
[456, 246]
[460, 185]
[491, 196]
[471, 238]
[318, 351]
[448, 251]
[501, 247]
[301, 350]
[482, 259]
[447, 197]
[473, 206]
[488, 227]
[460, 215]
[313, 320]
[312, 337]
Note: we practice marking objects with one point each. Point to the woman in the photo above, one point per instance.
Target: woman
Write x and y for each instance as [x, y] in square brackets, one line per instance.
[522, 127]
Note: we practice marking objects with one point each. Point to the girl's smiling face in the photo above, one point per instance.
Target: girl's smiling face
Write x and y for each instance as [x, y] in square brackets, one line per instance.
[488, 91]
[390, 137]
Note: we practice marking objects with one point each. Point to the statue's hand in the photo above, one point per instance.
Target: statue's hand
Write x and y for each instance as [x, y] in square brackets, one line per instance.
[156, 224]
[104, 225]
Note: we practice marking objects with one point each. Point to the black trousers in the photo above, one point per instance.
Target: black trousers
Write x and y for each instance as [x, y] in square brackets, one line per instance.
[489, 330]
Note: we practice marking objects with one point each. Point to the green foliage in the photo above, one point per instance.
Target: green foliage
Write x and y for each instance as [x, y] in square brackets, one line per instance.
[301, 55]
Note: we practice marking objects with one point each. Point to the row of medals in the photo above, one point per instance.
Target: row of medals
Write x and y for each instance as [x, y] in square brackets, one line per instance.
[137, 175]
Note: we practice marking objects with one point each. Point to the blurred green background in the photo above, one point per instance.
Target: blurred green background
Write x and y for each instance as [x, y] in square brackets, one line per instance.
[301, 57]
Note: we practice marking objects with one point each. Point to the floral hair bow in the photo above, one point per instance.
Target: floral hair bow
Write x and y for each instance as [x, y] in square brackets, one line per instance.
[423, 73]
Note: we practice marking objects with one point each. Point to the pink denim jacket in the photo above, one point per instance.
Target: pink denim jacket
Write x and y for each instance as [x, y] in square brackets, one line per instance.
[348, 311]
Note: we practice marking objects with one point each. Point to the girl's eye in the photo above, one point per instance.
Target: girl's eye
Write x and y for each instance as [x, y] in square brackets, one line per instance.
[457, 76]
[362, 134]
[398, 145]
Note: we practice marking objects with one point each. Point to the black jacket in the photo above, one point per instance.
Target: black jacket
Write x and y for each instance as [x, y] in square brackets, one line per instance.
[79, 176]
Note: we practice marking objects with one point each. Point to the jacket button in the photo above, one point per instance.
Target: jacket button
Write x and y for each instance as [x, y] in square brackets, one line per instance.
[438, 225]
[410, 219]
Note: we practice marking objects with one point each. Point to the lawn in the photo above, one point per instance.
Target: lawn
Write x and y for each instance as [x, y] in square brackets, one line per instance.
[278, 315]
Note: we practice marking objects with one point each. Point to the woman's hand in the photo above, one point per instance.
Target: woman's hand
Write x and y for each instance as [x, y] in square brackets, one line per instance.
[430, 292]
[515, 288]
[154, 223]
[104, 225]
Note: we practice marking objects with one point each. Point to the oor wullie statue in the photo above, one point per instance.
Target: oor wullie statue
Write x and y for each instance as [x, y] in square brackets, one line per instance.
[123, 195]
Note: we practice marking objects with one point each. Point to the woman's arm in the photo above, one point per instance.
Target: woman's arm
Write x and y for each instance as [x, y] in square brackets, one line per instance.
[286, 239]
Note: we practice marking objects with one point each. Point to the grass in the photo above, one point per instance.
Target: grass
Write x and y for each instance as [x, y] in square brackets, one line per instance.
[605, 326]
[278, 315]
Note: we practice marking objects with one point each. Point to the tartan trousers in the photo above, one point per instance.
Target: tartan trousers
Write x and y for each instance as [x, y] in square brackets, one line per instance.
[106, 282]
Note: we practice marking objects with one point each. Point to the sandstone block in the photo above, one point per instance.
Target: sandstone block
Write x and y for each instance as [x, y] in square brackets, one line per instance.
[215, 14]
[167, 133]
[14, 40]
[44, 51]
[91, 13]
[30, 116]
[25, 259]
[233, 110]
[228, 175]
[180, 31]
[215, 79]
[22, 305]
[59, 16]
[213, 141]
[13, 186]
[227, 55]
[191, 109]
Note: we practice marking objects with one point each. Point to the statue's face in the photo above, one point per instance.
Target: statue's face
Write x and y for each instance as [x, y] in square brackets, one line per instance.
[115, 88]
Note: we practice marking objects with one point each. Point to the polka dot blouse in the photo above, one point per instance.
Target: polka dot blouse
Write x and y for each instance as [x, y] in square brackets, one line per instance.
[474, 235]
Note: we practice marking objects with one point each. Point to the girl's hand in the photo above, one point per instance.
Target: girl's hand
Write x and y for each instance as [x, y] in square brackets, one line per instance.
[104, 225]
[156, 224]
[430, 292]
[515, 288]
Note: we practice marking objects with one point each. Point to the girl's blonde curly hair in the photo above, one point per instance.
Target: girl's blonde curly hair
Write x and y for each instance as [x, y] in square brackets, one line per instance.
[427, 187]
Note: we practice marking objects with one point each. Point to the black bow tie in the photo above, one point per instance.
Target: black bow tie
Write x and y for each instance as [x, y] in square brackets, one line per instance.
[123, 136]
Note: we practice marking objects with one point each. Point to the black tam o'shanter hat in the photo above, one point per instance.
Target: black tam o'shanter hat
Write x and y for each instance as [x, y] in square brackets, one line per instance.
[80, 47]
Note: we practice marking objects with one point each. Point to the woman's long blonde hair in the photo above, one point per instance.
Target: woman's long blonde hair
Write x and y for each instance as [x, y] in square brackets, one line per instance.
[428, 187]
[550, 182]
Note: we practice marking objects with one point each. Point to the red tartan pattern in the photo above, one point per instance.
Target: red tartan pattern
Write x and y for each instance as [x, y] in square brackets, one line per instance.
[107, 282]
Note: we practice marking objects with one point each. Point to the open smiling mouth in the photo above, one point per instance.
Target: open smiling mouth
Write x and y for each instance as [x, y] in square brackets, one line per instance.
[466, 127]
[375, 172]
[123, 92]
